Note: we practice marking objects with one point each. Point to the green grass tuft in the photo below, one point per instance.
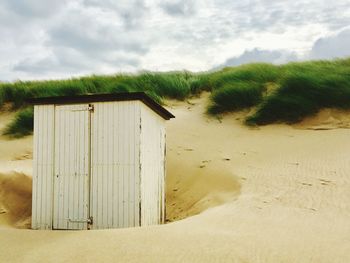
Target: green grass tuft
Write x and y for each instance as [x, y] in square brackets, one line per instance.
[235, 96]
[303, 94]
[260, 73]
[22, 125]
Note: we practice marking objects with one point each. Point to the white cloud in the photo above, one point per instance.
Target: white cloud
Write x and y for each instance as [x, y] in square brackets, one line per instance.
[334, 46]
[260, 55]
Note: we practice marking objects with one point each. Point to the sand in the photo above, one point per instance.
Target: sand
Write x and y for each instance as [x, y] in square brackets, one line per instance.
[272, 194]
[15, 155]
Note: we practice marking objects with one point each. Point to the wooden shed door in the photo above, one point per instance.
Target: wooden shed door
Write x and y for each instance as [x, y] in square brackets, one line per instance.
[71, 177]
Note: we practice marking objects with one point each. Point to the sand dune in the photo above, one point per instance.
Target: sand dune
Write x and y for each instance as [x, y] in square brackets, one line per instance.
[270, 194]
[15, 200]
[15, 155]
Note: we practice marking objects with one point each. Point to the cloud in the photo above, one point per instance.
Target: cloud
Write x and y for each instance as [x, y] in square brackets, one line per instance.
[85, 41]
[179, 7]
[60, 37]
[132, 12]
[259, 55]
[267, 15]
[68, 60]
[99, 38]
[335, 46]
[33, 8]
[40, 66]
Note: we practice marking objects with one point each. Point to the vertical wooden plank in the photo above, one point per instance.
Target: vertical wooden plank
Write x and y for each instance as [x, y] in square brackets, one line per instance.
[110, 151]
[36, 137]
[121, 163]
[82, 166]
[152, 166]
[87, 166]
[105, 165]
[142, 165]
[78, 163]
[58, 167]
[61, 169]
[115, 164]
[41, 168]
[99, 170]
[163, 173]
[102, 174]
[137, 151]
[112, 160]
[44, 167]
[40, 165]
[78, 119]
[126, 141]
[94, 172]
[131, 164]
[56, 172]
[120, 168]
[50, 162]
[70, 162]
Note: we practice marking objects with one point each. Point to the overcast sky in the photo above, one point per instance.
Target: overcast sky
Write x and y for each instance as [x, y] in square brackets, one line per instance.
[44, 39]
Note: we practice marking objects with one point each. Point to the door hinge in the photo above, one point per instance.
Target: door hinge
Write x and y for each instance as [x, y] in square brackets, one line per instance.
[88, 221]
[91, 107]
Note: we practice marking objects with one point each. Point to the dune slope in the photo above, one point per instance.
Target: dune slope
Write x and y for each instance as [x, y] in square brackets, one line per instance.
[273, 194]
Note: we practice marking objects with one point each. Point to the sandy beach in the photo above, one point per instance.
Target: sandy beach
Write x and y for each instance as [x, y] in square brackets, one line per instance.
[276, 193]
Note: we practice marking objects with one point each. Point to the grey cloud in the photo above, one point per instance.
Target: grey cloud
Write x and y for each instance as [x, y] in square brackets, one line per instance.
[179, 7]
[33, 8]
[80, 42]
[96, 42]
[267, 15]
[332, 47]
[132, 12]
[259, 55]
[82, 32]
[65, 60]
[39, 66]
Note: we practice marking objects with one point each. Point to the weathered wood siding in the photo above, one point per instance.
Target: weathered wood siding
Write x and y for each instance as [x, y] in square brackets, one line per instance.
[152, 167]
[107, 164]
[43, 160]
[115, 181]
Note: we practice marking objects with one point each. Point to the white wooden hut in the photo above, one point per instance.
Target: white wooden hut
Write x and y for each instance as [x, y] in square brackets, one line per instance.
[99, 161]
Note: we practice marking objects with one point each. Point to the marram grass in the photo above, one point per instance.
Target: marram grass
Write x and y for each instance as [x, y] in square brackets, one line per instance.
[278, 93]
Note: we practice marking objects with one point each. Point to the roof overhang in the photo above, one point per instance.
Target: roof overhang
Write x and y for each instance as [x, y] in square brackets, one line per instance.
[78, 99]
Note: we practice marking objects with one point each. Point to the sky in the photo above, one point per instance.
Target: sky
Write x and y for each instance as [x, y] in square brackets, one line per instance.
[43, 39]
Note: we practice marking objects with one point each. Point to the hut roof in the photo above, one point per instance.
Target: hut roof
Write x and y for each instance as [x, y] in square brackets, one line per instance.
[141, 96]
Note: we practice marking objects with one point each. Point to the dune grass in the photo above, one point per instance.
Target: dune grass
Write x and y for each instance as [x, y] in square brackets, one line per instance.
[22, 125]
[175, 85]
[278, 93]
[235, 96]
[303, 90]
